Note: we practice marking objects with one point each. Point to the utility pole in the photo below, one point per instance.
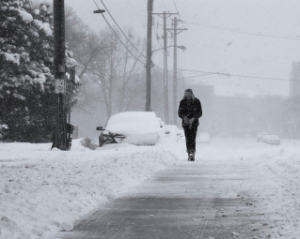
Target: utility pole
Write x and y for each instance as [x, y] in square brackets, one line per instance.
[149, 55]
[166, 80]
[176, 31]
[60, 134]
[165, 15]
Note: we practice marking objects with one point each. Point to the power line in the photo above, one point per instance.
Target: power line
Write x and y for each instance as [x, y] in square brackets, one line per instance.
[176, 6]
[121, 29]
[156, 28]
[165, 5]
[135, 10]
[118, 36]
[229, 75]
[246, 32]
[178, 11]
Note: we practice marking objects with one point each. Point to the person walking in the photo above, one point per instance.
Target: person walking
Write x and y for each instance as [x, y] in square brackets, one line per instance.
[190, 111]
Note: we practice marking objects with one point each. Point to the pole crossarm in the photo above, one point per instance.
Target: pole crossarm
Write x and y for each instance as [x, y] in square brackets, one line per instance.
[178, 29]
[167, 14]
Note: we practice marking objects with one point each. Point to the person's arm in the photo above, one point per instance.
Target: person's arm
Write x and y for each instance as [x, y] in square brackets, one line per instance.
[181, 111]
[199, 109]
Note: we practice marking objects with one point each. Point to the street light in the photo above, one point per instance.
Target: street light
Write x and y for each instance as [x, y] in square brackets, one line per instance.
[180, 47]
[99, 11]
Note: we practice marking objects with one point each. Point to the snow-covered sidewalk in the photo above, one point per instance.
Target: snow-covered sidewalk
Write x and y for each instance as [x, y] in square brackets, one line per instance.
[273, 173]
[43, 192]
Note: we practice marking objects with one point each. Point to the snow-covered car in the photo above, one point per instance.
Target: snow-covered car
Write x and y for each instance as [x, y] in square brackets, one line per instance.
[203, 138]
[260, 137]
[139, 128]
[272, 139]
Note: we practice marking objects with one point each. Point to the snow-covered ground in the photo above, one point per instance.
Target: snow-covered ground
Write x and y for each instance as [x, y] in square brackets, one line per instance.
[273, 173]
[43, 192]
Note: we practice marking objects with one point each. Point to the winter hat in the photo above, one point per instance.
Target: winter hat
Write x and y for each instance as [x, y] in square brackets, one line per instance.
[190, 91]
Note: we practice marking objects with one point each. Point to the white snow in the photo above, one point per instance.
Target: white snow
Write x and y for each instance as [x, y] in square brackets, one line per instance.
[47, 29]
[140, 128]
[43, 192]
[133, 122]
[20, 97]
[43, 26]
[71, 62]
[37, 11]
[77, 80]
[273, 173]
[41, 79]
[3, 126]
[44, 8]
[203, 138]
[26, 17]
[13, 57]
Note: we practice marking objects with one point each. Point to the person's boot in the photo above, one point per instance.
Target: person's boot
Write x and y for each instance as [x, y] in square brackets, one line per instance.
[192, 156]
[189, 155]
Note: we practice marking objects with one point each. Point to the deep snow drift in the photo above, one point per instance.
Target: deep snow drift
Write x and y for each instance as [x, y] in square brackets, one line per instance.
[43, 192]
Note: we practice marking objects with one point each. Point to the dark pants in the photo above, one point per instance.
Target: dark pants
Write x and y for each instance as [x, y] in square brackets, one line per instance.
[190, 138]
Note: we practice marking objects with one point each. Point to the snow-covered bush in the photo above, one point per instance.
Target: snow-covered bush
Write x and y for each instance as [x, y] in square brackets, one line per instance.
[27, 99]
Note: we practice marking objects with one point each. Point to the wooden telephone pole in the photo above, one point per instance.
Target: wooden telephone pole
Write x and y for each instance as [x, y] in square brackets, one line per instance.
[176, 31]
[60, 134]
[149, 56]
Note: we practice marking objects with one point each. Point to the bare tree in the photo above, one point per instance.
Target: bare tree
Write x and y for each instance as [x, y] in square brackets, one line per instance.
[105, 61]
[117, 73]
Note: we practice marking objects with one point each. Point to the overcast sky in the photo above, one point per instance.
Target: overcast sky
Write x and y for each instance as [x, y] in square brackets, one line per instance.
[216, 50]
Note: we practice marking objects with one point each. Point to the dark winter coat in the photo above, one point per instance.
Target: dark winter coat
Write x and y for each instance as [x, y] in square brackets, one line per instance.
[190, 109]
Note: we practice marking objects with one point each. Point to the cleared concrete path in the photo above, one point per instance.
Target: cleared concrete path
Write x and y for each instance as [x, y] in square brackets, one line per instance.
[190, 200]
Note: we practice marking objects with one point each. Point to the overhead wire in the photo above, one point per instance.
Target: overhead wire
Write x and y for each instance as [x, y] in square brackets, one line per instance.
[165, 5]
[246, 32]
[135, 10]
[121, 29]
[112, 29]
[204, 73]
[156, 28]
[176, 6]
[178, 13]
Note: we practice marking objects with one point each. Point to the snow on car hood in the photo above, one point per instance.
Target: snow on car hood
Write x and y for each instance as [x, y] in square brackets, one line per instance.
[129, 123]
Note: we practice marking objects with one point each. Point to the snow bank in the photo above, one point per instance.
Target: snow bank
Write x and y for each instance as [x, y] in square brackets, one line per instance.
[43, 192]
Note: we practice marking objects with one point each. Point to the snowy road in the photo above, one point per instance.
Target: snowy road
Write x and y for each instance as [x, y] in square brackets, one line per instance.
[202, 199]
